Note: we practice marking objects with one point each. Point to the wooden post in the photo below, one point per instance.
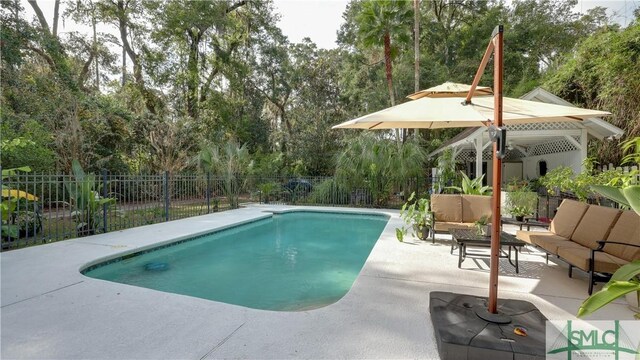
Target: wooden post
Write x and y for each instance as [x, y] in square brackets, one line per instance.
[497, 40]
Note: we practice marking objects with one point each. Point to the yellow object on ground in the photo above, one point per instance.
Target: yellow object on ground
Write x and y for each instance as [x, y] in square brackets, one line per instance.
[18, 194]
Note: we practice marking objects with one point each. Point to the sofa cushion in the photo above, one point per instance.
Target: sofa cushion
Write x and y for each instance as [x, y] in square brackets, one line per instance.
[595, 225]
[526, 236]
[475, 207]
[567, 218]
[550, 242]
[627, 230]
[447, 207]
[446, 225]
[579, 257]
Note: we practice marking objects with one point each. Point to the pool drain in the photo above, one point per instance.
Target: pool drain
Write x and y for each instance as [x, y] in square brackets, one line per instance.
[156, 266]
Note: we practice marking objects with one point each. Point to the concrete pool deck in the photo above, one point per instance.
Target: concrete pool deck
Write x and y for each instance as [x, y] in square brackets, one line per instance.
[50, 310]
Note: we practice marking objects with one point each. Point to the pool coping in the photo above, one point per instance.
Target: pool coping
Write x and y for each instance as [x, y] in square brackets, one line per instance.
[50, 310]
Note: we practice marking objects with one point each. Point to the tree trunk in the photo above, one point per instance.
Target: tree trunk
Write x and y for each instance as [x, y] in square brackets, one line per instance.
[388, 69]
[56, 13]
[193, 76]
[124, 66]
[43, 21]
[95, 47]
[416, 46]
[416, 43]
[151, 101]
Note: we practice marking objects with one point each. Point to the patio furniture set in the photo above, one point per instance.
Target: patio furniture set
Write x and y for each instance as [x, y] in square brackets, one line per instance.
[592, 238]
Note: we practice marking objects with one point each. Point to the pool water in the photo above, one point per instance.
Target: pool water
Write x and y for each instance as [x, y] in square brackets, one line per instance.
[291, 261]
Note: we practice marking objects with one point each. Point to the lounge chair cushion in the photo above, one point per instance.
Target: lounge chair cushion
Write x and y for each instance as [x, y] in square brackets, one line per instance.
[627, 230]
[595, 225]
[579, 257]
[447, 208]
[475, 207]
[551, 243]
[567, 218]
[446, 225]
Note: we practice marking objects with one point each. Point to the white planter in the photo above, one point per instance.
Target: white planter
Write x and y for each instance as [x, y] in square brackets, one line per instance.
[485, 230]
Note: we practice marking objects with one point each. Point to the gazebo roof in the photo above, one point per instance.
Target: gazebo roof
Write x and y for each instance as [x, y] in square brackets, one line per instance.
[533, 139]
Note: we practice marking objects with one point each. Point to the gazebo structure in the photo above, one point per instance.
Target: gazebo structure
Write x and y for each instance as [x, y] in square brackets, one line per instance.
[534, 148]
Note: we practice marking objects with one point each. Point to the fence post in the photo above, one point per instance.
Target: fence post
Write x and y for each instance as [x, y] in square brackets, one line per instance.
[208, 192]
[166, 196]
[104, 196]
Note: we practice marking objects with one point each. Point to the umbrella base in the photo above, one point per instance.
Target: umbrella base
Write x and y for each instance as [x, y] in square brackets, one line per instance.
[461, 333]
[497, 318]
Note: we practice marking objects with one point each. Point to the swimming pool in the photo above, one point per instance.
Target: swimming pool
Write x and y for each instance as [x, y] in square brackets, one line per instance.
[291, 261]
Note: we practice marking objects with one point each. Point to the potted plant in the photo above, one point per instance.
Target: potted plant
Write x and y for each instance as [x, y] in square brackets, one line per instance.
[471, 187]
[521, 202]
[416, 216]
[483, 227]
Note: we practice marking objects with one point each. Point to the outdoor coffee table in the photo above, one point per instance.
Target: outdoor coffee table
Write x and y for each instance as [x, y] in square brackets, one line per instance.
[469, 238]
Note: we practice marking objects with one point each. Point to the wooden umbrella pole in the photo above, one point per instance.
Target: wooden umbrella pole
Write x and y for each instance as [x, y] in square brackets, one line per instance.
[483, 65]
[497, 40]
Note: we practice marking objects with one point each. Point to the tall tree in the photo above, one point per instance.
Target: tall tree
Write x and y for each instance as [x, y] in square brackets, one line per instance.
[380, 22]
[416, 43]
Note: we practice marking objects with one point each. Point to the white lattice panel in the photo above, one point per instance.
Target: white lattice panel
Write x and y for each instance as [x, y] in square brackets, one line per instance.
[470, 155]
[553, 147]
[565, 125]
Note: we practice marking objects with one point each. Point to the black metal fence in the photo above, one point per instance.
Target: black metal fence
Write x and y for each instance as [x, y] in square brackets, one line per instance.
[43, 208]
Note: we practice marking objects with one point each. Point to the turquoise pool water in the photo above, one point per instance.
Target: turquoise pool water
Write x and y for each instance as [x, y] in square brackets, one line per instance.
[291, 261]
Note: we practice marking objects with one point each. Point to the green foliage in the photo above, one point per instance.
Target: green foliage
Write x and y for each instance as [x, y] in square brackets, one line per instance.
[631, 149]
[378, 165]
[330, 192]
[471, 187]
[416, 216]
[31, 147]
[268, 190]
[231, 162]
[216, 70]
[86, 201]
[604, 73]
[447, 175]
[624, 280]
[623, 188]
[521, 201]
[481, 225]
[484, 220]
[9, 201]
[564, 179]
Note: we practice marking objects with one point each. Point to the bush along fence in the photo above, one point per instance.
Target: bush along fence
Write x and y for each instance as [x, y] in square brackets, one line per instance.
[43, 208]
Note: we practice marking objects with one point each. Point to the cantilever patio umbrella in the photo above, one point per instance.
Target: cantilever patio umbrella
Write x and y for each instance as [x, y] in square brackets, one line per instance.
[433, 110]
[457, 105]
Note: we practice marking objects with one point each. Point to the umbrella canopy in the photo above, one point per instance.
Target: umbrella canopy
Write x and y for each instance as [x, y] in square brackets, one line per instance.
[450, 89]
[429, 112]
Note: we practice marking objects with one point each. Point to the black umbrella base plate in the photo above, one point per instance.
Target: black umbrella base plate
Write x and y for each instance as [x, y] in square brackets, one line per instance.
[464, 329]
